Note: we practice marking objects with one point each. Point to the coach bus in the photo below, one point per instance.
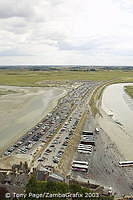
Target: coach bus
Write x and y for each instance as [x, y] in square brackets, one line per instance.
[78, 167]
[84, 148]
[85, 145]
[84, 151]
[125, 163]
[80, 162]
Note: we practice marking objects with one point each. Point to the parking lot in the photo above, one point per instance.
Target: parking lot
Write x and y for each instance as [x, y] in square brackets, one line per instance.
[56, 148]
[103, 167]
[56, 129]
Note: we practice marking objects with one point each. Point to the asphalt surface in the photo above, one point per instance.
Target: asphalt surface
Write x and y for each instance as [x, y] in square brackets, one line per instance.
[103, 164]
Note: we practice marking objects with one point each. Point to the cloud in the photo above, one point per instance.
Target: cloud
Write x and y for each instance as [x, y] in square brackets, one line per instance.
[15, 25]
[55, 2]
[15, 8]
[72, 31]
[13, 52]
[125, 5]
[81, 44]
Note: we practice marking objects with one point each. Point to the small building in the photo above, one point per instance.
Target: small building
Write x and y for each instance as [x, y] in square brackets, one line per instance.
[42, 174]
[56, 178]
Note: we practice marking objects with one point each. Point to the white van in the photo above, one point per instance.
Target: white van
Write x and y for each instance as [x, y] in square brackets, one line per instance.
[96, 130]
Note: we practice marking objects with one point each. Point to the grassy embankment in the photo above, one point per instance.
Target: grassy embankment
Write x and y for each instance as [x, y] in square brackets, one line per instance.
[5, 92]
[129, 90]
[95, 99]
[38, 78]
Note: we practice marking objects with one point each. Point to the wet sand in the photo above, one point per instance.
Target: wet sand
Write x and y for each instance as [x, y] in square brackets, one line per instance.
[116, 144]
[117, 103]
[118, 133]
[20, 111]
[118, 136]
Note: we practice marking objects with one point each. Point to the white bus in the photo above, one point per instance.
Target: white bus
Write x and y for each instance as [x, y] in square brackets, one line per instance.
[85, 137]
[87, 133]
[85, 151]
[84, 148]
[125, 163]
[80, 162]
[78, 167]
[85, 145]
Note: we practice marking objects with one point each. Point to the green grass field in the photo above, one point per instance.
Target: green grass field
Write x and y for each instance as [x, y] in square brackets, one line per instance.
[36, 78]
[129, 90]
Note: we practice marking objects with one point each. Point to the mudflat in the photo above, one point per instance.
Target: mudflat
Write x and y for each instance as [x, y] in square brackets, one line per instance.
[22, 109]
[119, 125]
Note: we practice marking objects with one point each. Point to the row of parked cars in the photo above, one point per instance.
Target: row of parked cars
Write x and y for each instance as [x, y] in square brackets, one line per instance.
[81, 147]
[45, 129]
[63, 138]
[66, 134]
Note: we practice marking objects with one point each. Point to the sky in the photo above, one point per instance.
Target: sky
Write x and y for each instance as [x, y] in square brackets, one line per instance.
[63, 32]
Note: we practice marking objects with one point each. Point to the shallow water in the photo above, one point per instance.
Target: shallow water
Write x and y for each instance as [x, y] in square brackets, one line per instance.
[116, 120]
[22, 110]
[116, 102]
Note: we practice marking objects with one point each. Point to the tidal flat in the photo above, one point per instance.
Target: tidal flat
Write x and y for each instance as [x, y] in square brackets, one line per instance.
[24, 108]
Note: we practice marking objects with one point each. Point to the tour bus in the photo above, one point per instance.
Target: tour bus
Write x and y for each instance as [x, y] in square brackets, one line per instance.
[86, 137]
[80, 162]
[125, 163]
[85, 151]
[85, 145]
[87, 133]
[78, 167]
[84, 148]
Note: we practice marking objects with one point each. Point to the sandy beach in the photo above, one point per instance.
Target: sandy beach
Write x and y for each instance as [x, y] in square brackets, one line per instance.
[21, 110]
